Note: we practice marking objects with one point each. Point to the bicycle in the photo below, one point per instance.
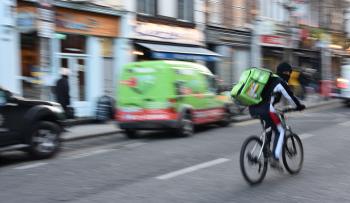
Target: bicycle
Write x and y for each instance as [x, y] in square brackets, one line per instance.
[261, 153]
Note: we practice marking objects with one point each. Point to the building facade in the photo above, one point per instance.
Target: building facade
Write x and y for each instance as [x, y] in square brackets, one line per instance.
[85, 39]
[9, 40]
[228, 33]
[168, 30]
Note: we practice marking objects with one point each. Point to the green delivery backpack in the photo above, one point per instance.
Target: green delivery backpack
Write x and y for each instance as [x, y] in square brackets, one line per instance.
[250, 86]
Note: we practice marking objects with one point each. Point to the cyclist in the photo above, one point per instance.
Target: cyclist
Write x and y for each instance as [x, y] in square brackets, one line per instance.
[274, 89]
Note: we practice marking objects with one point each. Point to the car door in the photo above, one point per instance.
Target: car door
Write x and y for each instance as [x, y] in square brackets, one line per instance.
[10, 120]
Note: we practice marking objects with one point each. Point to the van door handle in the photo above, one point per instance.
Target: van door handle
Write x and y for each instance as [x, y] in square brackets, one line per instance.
[148, 99]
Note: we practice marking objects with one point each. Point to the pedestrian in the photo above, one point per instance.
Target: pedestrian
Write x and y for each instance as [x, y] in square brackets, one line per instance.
[62, 92]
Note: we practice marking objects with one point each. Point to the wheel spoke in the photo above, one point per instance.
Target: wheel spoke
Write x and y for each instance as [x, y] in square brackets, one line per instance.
[253, 167]
[293, 154]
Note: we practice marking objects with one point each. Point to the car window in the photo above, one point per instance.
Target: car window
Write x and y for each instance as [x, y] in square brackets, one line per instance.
[2, 97]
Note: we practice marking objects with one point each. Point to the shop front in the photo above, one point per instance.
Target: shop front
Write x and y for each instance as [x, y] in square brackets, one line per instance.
[234, 47]
[155, 42]
[83, 42]
[273, 47]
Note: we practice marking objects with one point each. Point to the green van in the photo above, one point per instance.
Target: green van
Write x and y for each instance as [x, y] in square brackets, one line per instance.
[168, 95]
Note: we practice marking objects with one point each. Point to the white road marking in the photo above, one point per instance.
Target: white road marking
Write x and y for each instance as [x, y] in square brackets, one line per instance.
[192, 168]
[99, 151]
[306, 135]
[31, 166]
[113, 146]
[346, 124]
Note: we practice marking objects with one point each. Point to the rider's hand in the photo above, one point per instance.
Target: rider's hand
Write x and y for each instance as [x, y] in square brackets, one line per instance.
[300, 107]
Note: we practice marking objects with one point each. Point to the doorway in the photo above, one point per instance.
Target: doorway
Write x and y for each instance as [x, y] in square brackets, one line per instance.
[77, 80]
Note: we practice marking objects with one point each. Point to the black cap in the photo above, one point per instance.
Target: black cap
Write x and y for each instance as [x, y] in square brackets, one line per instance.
[282, 68]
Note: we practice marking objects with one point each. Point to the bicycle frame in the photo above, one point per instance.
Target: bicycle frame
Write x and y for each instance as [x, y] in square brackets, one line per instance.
[263, 133]
[263, 138]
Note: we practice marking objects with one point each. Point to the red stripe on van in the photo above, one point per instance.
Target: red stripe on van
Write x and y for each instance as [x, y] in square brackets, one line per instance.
[146, 114]
[208, 115]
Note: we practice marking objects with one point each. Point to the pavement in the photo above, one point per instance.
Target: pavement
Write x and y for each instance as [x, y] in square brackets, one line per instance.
[87, 129]
[84, 131]
[204, 168]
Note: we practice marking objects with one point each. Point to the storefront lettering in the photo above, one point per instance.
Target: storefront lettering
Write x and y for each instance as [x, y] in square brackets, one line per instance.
[274, 40]
[26, 22]
[67, 21]
[156, 33]
[151, 31]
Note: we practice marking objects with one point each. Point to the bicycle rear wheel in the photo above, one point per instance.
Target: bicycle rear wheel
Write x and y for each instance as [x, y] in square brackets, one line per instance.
[293, 154]
[253, 167]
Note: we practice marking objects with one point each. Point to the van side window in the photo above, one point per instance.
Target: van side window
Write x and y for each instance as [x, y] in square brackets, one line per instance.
[212, 87]
[179, 85]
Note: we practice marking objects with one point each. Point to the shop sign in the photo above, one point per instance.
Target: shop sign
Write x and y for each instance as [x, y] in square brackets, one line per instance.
[70, 21]
[166, 33]
[177, 56]
[338, 40]
[274, 40]
[46, 24]
[46, 29]
[26, 22]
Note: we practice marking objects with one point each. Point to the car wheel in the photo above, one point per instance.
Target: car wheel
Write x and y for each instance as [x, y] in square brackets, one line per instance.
[186, 127]
[45, 140]
[131, 134]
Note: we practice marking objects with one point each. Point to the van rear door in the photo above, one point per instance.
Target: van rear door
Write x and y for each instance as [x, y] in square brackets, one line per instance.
[144, 91]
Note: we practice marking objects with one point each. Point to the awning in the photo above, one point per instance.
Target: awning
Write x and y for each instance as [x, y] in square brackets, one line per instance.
[161, 51]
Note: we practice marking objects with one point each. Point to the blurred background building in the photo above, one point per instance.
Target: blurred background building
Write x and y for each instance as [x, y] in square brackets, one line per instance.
[228, 32]
[95, 38]
[83, 36]
[9, 41]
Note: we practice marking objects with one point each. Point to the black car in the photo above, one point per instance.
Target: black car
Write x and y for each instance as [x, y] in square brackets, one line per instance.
[29, 125]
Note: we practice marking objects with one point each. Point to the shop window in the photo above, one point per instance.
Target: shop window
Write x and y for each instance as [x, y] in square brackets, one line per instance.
[30, 65]
[74, 44]
[185, 10]
[77, 83]
[81, 79]
[107, 47]
[147, 7]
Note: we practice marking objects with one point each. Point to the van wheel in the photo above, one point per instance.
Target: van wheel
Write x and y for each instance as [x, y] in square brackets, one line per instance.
[131, 134]
[45, 140]
[186, 127]
[226, 120]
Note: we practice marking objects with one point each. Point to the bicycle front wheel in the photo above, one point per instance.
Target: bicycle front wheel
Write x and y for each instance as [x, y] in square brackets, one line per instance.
[253, 161]
[293, 154]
